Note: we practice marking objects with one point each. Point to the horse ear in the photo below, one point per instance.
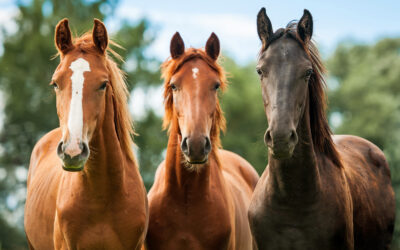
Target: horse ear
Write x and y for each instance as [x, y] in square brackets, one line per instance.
[100, 37]
[305, 26]
[177, 46]
[264, 27]
[63, 38]
[212, 46]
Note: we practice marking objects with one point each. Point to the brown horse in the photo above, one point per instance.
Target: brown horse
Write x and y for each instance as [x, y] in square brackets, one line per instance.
[201, 193]
[318, 191]
[84, 187]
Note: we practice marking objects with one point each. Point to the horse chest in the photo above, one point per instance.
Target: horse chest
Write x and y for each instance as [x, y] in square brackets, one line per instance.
[297, 228]
[95, 236]
[99, 227]
[200, 225]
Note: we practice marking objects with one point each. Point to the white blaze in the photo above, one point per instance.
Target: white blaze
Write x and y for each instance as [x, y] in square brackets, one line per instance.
[75, 117]
[197, 86]
[195, 72]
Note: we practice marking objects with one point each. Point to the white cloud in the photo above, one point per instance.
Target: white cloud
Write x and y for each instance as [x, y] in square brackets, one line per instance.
[7, 15]
[236, 32]
[7, 23]
[144, 99]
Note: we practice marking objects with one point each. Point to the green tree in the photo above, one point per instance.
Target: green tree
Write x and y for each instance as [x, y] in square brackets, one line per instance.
[244, 113]
[152, 142]
[143, 72]
[365, 98]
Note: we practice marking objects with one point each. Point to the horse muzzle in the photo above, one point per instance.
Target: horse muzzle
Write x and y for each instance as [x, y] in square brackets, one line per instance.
[196, 150]
[281, 144]
[74, 159]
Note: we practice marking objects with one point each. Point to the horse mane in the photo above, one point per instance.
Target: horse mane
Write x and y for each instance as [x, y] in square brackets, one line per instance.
[320, 131]
[123, 121]
[169, 68]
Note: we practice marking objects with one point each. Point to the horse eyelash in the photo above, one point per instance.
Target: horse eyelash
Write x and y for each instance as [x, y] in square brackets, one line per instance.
[309, 72]
[103, 85]
[54, 85]
[173, 86]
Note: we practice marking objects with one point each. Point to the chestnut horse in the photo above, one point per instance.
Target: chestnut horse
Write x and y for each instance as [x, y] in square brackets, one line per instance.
[318, 191]
[84, 186]
[201, 193]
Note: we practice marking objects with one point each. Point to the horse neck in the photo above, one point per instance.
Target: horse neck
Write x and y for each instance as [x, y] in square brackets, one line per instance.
[107, 166]
[178, 177]
[296, 180]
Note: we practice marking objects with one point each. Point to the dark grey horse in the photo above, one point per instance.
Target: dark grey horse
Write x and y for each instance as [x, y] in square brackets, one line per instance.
[318, 191]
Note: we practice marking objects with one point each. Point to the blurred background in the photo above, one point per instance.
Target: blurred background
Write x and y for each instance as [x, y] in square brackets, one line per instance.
[359, 41]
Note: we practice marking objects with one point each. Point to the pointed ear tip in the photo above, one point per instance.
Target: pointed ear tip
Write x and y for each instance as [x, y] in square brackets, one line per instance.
[63, 21]
[262, 11]
[177, 36]
[98, 22]
[307, 12]
[177, 46]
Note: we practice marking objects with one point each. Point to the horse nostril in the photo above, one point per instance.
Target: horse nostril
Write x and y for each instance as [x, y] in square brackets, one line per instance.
[85, 150]
[293, 137]
[207, 146]
[268, 138]
[184, 146]
[60, 149]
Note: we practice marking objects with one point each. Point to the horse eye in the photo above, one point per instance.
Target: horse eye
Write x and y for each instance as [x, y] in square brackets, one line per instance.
[309, 72]
[259, 71]
[54, 85]
[103, 85]
[173, 86]
[217, 85]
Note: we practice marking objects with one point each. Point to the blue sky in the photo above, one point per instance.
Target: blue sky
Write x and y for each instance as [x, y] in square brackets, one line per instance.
[235, 21]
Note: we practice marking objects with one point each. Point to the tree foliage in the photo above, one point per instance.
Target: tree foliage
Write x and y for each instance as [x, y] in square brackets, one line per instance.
[245, 117]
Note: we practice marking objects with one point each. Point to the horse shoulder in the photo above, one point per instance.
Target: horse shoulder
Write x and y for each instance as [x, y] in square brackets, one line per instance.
[354, 149]
[158, 183]
[43, 179]
[241, 179]
[368, 175]
[156, 197]
[45, 144]
[44, 174]
[365, 168]
[235, 164]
